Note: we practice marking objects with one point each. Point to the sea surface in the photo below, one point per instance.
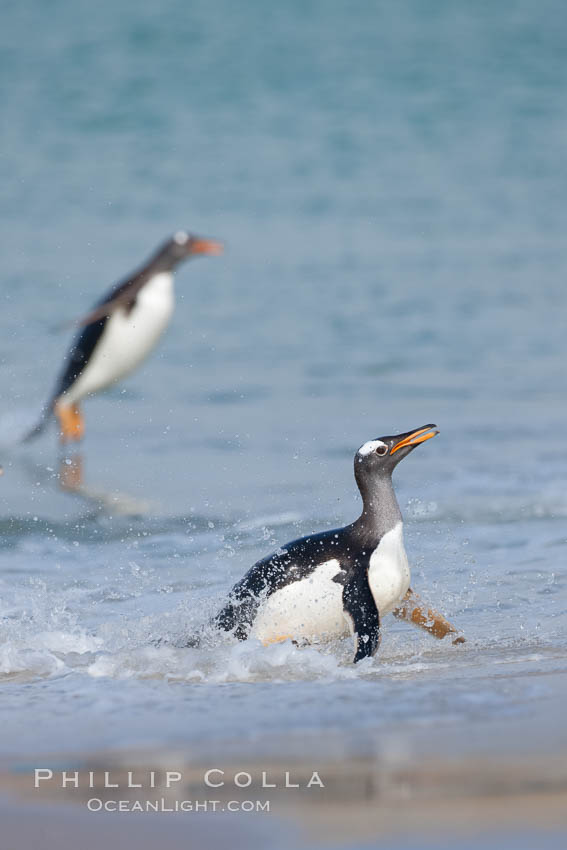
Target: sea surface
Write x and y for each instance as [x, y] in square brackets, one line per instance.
[389, 180]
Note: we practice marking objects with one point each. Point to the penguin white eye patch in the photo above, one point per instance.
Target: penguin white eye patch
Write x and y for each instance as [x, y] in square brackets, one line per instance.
[377, 446]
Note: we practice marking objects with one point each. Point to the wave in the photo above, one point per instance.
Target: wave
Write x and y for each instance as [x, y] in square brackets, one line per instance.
[129, 651]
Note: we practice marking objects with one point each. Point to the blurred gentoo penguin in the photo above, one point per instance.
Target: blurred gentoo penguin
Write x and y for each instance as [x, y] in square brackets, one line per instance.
[323, 585]
[120, 332]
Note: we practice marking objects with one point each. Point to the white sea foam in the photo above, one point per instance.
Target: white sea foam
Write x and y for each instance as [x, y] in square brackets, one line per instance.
[118, 653]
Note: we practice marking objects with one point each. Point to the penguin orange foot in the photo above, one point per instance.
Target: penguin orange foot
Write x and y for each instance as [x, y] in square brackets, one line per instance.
[277, 639]
[71, 422]
[413, 610]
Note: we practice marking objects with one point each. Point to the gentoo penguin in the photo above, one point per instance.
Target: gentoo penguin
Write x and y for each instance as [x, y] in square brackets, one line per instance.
[324, 585]
[120, 332]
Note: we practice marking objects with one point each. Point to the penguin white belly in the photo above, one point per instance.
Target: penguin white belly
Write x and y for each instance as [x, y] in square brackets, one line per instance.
[389, 572]
[310, 609]
[127, 339]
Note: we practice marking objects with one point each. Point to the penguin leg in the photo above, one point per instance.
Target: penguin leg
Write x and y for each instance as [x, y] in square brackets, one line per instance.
[277, 639]
[415, 611]
[71, 422]
[361, 612]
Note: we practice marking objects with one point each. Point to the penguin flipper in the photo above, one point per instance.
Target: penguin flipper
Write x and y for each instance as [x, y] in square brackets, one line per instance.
[237, 617]
[360, 608]
[414, 610]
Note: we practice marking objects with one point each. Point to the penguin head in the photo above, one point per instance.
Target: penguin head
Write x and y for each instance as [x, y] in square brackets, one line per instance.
[183, 245]
[380, 457]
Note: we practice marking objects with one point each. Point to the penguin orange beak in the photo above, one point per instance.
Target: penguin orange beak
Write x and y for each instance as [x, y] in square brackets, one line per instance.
[416, 437]
[206, 246]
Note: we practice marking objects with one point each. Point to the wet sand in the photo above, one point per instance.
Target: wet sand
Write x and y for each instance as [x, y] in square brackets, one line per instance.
[436, 799]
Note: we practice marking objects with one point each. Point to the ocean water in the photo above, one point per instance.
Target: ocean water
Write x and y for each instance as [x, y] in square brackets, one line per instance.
[390, 183]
